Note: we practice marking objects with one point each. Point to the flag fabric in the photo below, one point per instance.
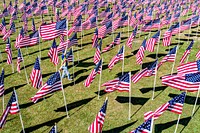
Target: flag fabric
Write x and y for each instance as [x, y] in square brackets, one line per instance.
[29, 40]
[190, 67]
[198, 55]
[2, 89]
[89, 24]
[176, 104]
[187, 52]
[53, 30]
[119, 56]
[53, 129]
[97, 55]
[33, 25]
[92, 75]
[9, 32]
[167, 37]
[53, 53]
[130, 39]
[9, 52]
[19, 38]
[53, 84]
[69, 56]
[188, 82]
[147, 72]
[19, 59]
[144, 128]
[140, 53]
[12, 108]
[72, 41]
[110, 85]
[36, 75]
[170, 57]
[105, 29]
[95, 38]
[152, 41]
[97, 125]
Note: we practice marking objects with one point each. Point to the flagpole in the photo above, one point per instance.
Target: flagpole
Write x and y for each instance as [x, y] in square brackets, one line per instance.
[129, 112]
[64, 97]
[12, 60]
[100, 80]
[24, 68]
[3, 101]
[195, 101]
[20, 116]
[123, 61]
[152, 124]
[73, 66]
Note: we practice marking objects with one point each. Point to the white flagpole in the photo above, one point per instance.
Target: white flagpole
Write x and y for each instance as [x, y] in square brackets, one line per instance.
[196, 101]
[3, 102]
[129, 112]
[123, 61]
[64, 97]
[20, 116]
[24, 68]
[100, 80]
[152, 125]
[73, 66]
[12, 60]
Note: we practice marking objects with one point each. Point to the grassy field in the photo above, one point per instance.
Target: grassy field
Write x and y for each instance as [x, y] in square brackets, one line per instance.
[83, 104]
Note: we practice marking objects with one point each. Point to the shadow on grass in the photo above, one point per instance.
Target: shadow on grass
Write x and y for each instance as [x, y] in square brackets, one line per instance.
[134, 100]
[128, 56]
[11, 88]
[80, 72]
[74, 105]
[47, 74]
[26, 105]
[153, 56]
[89, 33]
[119, 129]
[101, 93]
[87, 43]
[135, 52]
[48, 123]
[184, 40]
[158, 88]
[85, 64]
[160, 127]
[132, 73]
[144, 65]
[80, 79]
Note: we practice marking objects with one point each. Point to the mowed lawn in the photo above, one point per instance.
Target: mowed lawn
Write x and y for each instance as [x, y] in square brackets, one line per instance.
[83, 103]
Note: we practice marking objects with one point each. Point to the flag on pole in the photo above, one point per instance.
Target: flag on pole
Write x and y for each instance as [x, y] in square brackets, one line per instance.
[187, 52]
[97, 55]
[144, 128]
[53, 53]
[36, 75]
[119, 56]
[19, 59]
[140, 53]
[95, 38]
[92, 75]
[12, 108]
[105, 29]
[198, 55]
[69, 56]
[53, 84]
[152, 41]
[130, 39]
[190, 67]
[33, 25]
[19, 38]
[2, 89]
[53, 129]
[9, 52]
[9, 32]
[188, 82]
[97, 125]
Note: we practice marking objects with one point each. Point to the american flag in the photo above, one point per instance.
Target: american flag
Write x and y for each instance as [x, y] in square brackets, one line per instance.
[170, 57]
[53, 53]
[175, 17]
[187, 52]
[166, 20]
[9, 52]
[147, 26]
[119, 56]
[105, 29]
[156, 24]
[19, 38]
[152, 41]
[110, 85]
[72, 41]
[185, 25]
[107, 19]
[190, 67]
[92, 75]
[19, 59]
[9, 32]
[123, 84]
[53, 30]
[57, 16]
[12, 108]
[89, 24]
[167, 37]
[176, 28]
[69, 56]
[76, 28]
[149, 16]
[198, 54]
[187, 82]
[105, 13]
[130, 39]
[140, 53]
[144, 128]
[3, 27]
[25, 26]
[53, 84]
[44, 10]
[147, 72]
[36, 75]
[97, 55]
[176, 104]
[33, 25]
[5, 12]
[53, 129]
[29, 40]
[97, 125]
[2, 89]
[95, 38]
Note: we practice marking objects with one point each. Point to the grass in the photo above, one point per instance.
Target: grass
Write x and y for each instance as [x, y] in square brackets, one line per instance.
[83, 104]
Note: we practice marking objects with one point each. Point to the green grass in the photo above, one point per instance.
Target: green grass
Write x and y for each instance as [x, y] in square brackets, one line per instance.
[83, 103]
